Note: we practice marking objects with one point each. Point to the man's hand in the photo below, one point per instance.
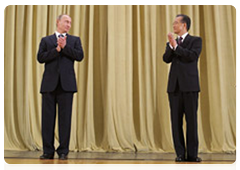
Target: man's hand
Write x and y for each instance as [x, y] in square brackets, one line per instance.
[172, 41]
[62, 42]
[58, 48]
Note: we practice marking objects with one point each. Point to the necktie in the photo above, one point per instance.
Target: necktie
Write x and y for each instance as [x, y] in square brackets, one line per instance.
[180, 40]
[60, 35]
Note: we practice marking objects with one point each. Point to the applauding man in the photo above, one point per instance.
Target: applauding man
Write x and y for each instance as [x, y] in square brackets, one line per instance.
[183, 87]
[58, 52]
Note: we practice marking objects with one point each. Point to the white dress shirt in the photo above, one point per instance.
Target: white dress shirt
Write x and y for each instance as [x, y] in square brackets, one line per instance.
[57, 34]
[183, 37]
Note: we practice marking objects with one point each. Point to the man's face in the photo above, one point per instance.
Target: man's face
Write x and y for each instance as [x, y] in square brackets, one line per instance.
[178, 26]
[64, 24]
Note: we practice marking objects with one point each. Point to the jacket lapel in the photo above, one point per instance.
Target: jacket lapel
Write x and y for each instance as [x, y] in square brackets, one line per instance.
[53, 39]
[68, 38]
[186, 41]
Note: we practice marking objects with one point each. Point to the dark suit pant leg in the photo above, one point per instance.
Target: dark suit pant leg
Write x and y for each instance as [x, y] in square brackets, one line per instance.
[176, 107]
[191, 106]
[48, 122]
[64, 101]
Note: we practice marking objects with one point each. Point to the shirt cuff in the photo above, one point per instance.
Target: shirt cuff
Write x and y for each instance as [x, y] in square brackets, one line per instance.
[172, 47]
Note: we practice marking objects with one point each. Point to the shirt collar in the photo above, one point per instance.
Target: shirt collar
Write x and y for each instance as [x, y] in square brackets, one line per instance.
[57, 34]
[183, 36]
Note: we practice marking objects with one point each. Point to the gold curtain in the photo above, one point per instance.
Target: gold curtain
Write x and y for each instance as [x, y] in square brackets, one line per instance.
[122, 103]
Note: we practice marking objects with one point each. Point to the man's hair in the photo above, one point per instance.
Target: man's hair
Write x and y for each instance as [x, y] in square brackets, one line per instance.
[185, 19]
[59, 17]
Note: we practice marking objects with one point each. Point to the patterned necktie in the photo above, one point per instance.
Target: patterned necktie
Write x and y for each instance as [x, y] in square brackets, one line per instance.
[60, 35]
[180, 40]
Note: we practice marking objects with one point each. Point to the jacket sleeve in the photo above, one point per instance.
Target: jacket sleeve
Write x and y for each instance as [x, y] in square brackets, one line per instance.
[192, 54]
[45, 55]
[168, 55]
[74, 53]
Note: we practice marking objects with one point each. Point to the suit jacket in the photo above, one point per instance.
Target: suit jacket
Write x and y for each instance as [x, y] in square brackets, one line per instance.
[184, 64]
[59, 66]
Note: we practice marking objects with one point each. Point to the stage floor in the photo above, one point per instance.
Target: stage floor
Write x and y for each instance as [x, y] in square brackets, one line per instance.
[29, 160]
[76, 164]
[32, 157]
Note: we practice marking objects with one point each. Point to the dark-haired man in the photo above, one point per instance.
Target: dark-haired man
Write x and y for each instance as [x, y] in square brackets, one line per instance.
[58, 52]
[183, 87]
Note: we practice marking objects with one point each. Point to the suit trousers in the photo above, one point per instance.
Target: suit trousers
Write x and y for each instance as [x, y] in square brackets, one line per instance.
[50, 100]
[180, 103]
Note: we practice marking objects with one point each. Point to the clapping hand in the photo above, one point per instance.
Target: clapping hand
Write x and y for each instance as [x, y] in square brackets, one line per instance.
[171, 39]
[62, 41]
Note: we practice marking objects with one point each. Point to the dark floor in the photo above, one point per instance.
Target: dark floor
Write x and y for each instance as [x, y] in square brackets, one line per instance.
[119, 156]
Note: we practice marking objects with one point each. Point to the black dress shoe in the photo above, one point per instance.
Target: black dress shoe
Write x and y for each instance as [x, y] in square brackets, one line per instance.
[46, 156]
[63, 157]
[180, 159]
[197, 159]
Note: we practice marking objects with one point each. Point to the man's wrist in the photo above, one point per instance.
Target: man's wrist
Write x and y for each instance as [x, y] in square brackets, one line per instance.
[58, 48]
[175, 47]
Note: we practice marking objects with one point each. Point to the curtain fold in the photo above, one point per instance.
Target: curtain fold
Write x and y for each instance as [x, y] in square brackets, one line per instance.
[122, 103]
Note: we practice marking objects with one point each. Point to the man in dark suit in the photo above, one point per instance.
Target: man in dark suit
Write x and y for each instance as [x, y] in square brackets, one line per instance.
[58, 52]
[183, 87]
